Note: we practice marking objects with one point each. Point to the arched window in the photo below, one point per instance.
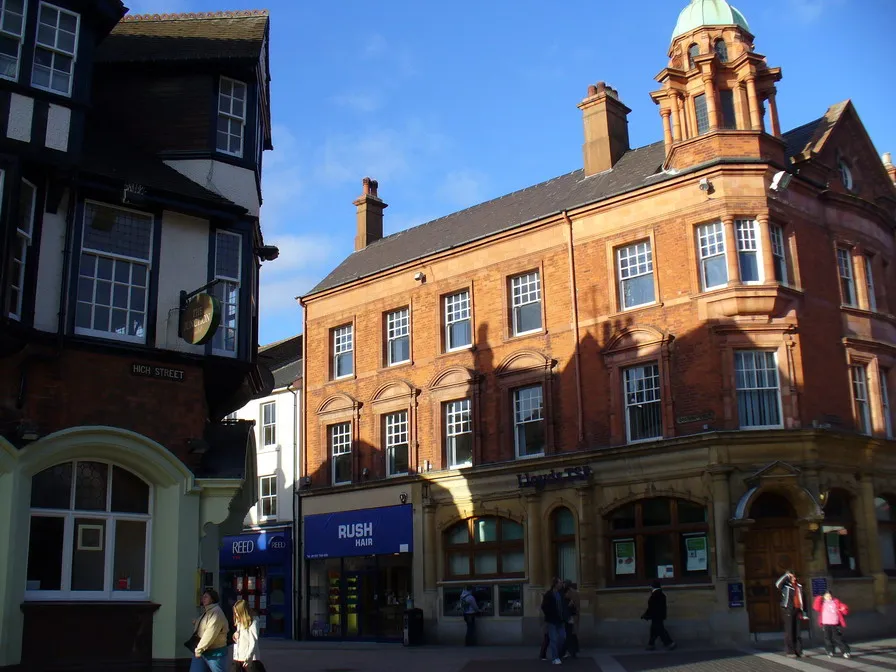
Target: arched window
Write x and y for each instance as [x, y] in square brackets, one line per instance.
[488, 547]
[845, 174]
[721, 50]
[693, 52]
[885, 507]
[839, 530]
[660, 538]
[563, 529]
[89, 536]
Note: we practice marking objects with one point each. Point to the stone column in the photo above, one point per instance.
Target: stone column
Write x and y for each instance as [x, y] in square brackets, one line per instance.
[691, 111]
[872, 540]
[773, 114]
[711, 111]
[731, 251]
[534, 541]
[587, 550]
[677, 130]
[667, 128]
[682, 111]
[768, 262]
[721, 496]
[755, 113]
[431, 548]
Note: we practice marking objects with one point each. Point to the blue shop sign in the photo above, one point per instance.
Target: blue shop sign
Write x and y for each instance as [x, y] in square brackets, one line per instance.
[380, 531]
[256, 548]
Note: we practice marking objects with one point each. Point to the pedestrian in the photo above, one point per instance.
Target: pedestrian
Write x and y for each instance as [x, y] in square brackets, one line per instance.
[831, 618]
[572, 623]
[556, 613]
[793, 605]
[470, 609]
[209, 639]
[245, 640]
[656, 614]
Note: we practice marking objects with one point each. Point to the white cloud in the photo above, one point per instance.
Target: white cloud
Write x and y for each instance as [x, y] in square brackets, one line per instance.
[360, 102]
[811, 10]
[462, 188]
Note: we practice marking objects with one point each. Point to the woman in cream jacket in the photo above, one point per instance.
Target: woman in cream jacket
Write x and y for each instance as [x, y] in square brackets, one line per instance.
[245, 648]
[212, 627]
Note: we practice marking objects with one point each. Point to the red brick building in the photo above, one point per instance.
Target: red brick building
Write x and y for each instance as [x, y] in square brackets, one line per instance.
[675, 362]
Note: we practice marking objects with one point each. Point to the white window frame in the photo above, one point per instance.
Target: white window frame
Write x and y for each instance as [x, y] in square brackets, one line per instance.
[458, 308]
[869, 282]
[635, 261]
[269, 425]
[398, 434]
[858, 375]
[23, 242]
[343, 344]
[711, 245]
[227, 287]
[747, 236]
[779, 251]
[54, 49]
[458, 422]
[525, 290]
[271, 497]
[884, 375]
[146, 263]
[847, 275]
[9, 34]
[398, 326]
[343, 432]
[522, 404]
[759, 388]
[229, 115]
[70, 543]
[636, 393]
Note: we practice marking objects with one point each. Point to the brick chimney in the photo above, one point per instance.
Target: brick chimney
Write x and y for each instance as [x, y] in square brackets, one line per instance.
[606, 128]
[887, 158]
[370, 214]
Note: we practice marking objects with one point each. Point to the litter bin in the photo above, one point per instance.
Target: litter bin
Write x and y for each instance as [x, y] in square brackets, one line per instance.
[413, 627]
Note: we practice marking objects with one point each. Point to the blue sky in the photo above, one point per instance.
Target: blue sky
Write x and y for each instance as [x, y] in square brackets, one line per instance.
[450, 104]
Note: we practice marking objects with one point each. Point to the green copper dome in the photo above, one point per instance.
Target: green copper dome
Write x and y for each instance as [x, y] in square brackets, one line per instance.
[708, 13]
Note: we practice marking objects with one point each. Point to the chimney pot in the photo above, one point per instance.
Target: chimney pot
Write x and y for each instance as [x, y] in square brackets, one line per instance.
[888, 159]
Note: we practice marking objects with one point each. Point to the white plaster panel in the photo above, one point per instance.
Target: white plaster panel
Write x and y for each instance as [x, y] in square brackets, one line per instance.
[49, 272]
[21, 113]
[183, 265]
[58, 123]
[232, 182]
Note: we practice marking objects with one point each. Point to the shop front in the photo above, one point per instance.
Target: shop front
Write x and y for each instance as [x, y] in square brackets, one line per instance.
[256, 567]
[359, 572]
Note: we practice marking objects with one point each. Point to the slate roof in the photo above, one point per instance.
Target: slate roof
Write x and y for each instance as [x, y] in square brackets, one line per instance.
[283, 359]
[101, 158]
[637, 168]
[186, 37]
[226, 454]
[808, 138]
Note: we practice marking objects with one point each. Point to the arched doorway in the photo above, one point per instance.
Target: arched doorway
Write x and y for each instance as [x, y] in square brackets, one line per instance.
[771, 548]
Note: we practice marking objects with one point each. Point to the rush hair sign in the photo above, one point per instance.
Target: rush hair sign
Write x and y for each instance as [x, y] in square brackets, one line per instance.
[379, 531]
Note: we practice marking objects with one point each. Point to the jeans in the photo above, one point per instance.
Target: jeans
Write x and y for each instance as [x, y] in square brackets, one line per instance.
[470, 639]
[833, 637]
[793, 643]
[205, 664]
[557, 635]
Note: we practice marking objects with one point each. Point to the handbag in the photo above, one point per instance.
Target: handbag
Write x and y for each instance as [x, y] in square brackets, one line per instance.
[193, 642]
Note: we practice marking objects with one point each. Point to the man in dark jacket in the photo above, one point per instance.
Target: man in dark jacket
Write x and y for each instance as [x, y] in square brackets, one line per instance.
[794, 608]
[556, 613]
[656, 614]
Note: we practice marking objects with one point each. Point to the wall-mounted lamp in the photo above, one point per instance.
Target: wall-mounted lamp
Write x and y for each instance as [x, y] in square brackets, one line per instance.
[781, 181]
[403, 498]
[420, 277]
[706, 185]
[267, 252]
[823, 497]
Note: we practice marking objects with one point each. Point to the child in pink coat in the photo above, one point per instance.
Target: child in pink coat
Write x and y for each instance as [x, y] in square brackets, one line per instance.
[831, 618]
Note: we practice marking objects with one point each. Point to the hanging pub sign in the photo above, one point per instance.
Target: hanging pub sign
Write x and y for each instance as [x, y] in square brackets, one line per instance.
[528, 480]
[199, 319]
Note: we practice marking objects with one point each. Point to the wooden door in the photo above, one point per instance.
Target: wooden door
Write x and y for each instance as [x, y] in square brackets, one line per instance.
[770, 551]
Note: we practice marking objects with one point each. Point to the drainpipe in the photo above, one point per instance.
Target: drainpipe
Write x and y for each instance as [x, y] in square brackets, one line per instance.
[296, 505]
[66, 261]
[574, 302]
[304, 604]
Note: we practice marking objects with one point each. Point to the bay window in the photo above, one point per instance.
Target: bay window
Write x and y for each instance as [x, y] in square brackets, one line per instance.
[847, 282]
[89, 533]
[113, 273]
[713, 263]
[748, 250]
[55, 49]
[228, 271]
[859, 376]
[231, 117]
[12, 27]
[779, 252]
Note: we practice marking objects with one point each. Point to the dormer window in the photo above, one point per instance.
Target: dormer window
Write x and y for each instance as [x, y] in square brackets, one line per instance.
[12, 25]
[54, 53]
[693, 53]
[721, 50]
[231, 116]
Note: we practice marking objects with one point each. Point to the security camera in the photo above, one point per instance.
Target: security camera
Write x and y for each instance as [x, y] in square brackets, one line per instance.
[704, 184]
[781, 180]
[419, 277]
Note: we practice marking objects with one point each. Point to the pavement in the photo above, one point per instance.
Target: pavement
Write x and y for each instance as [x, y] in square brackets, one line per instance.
[279, 656]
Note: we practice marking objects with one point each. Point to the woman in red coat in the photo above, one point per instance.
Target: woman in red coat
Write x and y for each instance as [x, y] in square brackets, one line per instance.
[831, 618]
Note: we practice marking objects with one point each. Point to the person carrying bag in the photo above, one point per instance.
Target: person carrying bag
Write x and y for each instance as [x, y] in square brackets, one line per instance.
[209, 640]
